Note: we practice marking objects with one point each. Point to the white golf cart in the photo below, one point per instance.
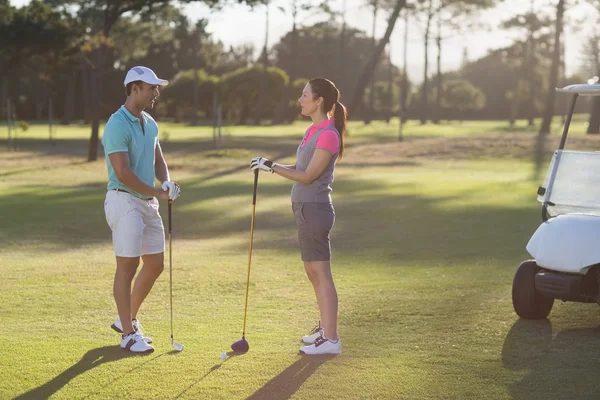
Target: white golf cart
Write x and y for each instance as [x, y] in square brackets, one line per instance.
[566, 246]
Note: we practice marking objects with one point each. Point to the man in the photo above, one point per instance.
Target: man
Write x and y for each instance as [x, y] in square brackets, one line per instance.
[134, 159]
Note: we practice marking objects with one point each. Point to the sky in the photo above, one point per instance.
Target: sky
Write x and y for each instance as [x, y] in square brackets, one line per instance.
[239, 24]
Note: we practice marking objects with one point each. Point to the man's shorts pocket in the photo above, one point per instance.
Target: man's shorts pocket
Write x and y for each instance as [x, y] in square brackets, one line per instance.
[116, 205]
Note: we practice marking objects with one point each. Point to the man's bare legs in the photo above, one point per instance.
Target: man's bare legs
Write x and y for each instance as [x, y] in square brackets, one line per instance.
[128, 301]
[153, 265]
[126, 268]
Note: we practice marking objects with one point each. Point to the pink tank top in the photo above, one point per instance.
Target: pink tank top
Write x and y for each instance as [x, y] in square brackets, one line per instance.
[328, 140]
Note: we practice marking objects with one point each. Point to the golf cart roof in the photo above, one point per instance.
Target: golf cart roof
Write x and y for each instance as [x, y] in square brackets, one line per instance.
[582, 89]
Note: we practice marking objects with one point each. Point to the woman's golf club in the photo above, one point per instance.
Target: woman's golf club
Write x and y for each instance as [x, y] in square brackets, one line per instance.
[242, 346]
[176, 346]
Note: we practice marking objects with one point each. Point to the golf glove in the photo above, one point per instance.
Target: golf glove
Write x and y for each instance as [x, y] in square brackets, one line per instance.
[262, 163]
[173, 189]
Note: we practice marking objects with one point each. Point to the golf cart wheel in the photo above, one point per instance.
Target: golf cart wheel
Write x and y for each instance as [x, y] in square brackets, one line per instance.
[527, 301]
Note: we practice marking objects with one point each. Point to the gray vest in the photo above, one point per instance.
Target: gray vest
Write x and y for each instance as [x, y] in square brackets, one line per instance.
[319, 190]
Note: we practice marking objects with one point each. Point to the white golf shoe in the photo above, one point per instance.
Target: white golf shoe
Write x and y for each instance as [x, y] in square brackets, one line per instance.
[322, 345]
[118, 327]
[313, 335]
[134, 342]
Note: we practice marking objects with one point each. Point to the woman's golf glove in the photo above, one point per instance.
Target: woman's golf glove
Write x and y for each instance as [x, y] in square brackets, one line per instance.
[262, 163]
[173, 189]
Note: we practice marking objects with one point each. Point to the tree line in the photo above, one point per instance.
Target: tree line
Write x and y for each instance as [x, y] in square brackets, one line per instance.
[70, 56]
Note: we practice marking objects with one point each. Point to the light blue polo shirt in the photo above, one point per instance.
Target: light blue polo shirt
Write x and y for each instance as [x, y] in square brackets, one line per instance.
[123, 133]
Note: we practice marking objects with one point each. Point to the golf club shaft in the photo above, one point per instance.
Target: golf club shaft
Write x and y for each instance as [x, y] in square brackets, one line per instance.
[250, 252]
[171, 268]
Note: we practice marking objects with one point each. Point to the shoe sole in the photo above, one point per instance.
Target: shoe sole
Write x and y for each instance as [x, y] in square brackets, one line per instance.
[138, 352]
[131, 343]
[319, 354]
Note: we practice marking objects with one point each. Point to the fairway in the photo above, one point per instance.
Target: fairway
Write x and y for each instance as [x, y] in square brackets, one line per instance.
[428, 235]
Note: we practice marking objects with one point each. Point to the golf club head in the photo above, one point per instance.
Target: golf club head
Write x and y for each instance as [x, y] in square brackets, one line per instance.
[177, 346]
[241, 346]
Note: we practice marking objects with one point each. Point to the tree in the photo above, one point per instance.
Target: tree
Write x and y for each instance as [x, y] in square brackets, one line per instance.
[454, 17]
[34, 30]
[184, 103]
[460, 98]
[430, 12]
[239, 89]
[369, 68]
[369, 108]
[296, 8]
[264, 62]
[196, 36]
[558, 30]
[342, 46]
[101, 16]
[478, 73]
[35, 38]
[6, 17]
[389, 104]
[439, 76]
[317, 60]
[528, 55]
[404, 85]
[453, 14]
[591, 54]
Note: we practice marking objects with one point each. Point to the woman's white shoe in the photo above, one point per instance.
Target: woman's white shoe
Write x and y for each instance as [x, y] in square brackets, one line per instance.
[313, 335]
[323, 345]
[135, 342]
[118, 327]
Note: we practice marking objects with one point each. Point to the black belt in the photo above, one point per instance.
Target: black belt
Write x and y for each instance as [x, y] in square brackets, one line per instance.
[125, 191]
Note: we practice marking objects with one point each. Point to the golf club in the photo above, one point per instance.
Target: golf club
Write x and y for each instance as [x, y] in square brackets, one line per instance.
[242, 346]
[176, 346]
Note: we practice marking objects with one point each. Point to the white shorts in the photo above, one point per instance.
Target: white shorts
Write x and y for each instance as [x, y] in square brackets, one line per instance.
[136, 225]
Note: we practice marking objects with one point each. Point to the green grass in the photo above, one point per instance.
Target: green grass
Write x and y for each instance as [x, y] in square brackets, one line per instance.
[424, 251]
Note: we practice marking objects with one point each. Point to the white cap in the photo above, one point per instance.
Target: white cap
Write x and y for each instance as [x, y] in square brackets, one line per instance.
[144, 74]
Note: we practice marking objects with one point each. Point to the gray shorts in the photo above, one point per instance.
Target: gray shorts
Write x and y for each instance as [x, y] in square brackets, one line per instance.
[314, 222]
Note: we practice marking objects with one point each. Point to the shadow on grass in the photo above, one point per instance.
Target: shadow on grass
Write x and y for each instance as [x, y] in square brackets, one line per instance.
[284, 385]
[210, 371]
[517, 128]
[78, 147]
[215, 367]
[564, 366]
[90, 360]
[370, 219]
[74, 216]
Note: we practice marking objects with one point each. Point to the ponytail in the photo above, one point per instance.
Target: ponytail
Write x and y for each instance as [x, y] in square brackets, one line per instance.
[340, 115]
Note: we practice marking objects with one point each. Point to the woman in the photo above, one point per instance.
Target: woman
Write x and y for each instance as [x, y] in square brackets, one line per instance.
[322, 145]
